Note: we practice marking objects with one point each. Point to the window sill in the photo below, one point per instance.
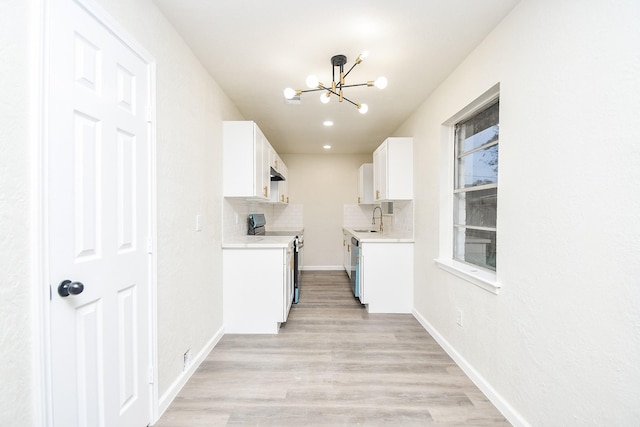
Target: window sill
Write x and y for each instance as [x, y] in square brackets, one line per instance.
[486, 280]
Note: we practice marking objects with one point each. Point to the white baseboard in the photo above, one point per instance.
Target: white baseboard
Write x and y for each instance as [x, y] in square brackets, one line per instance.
[176, 386]
[498, 401]
[322, 267]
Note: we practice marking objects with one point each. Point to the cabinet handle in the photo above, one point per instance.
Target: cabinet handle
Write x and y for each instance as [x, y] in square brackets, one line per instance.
[265, 191]
[349, 248]
[343, 242]
[377, 194]
[358, 199]
[287, 199]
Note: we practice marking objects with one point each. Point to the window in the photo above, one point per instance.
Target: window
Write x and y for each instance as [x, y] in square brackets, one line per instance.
[475, 194]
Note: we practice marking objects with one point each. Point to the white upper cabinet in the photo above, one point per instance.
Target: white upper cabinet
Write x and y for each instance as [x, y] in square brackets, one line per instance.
[279, 189]
[277, 164]
[393, 170]
[245, 161]
[365, 184]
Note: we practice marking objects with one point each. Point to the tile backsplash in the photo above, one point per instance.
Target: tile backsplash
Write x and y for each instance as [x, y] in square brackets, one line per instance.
[236, 211]
[360, 216]
[279, 216]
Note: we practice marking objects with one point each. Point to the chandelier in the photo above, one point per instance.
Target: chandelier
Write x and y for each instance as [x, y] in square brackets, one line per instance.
[336, 88]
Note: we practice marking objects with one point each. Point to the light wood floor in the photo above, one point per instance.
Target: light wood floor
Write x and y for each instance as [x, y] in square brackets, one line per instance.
[331, 364]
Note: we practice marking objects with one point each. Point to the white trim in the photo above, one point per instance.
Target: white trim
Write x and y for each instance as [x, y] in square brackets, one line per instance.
[485, 279]
[476, 105]
[181, 380]
[513, 416]
[474, 188]
[43, 407]
[153, 234]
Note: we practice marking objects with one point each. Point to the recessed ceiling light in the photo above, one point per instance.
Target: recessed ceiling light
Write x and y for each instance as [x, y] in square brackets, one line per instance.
[326, 147]
[327, 123]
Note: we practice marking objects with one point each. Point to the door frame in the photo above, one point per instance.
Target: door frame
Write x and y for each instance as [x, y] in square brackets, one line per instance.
[43, 289]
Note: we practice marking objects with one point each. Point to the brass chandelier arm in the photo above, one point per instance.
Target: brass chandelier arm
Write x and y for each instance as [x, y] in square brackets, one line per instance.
[350, 101]
[357, 84]
[328, 89]
[313, 90]
[335, 93]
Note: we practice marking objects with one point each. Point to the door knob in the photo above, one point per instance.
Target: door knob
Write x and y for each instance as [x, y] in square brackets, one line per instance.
[67, 287]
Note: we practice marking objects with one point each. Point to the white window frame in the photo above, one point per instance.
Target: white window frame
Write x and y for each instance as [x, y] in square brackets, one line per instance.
[483, 278]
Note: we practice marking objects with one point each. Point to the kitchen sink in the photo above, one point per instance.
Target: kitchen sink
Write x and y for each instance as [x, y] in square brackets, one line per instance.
[366, 231]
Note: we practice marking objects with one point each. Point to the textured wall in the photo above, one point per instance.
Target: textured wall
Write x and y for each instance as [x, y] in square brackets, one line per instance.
[561, 342]
[17, 133]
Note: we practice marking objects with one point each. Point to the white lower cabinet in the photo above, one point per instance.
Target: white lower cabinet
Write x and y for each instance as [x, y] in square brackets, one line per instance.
[346, 252]
[386, 277]
[257, 289]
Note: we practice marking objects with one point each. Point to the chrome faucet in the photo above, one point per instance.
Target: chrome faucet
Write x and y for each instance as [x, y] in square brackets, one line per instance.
[373, 220]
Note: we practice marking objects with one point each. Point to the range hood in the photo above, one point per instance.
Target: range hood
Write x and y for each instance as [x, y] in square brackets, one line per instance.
[276, 176]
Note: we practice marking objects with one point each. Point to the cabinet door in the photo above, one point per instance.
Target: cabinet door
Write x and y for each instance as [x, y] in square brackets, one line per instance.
[380, 172]
[283, 186]
[361, 277]
[393, 169]
[287, 283]
[261, 164]
[245, 160]
[346, 252]
[386, 277]
[365, 184]
[399, 169]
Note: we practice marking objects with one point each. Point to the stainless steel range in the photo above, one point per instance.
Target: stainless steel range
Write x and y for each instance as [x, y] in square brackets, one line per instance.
[257, 226]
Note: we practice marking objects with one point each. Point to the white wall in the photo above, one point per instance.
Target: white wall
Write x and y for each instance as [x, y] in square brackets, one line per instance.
[560, 344]
[323, 184]
[18, 136]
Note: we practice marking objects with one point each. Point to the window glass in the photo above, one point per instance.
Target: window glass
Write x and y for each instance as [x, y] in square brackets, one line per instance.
[476, 208]
[478, 168]
[475, 198]
[476, 247]
[479, 130]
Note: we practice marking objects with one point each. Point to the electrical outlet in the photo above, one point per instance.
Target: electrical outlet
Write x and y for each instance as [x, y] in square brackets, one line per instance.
[186, 360]
[459, 317]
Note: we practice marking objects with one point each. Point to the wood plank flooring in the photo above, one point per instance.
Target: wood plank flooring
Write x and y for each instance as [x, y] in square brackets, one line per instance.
[332, 364]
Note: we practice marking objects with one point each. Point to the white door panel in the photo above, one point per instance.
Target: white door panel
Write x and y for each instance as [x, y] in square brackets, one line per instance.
[98, 169]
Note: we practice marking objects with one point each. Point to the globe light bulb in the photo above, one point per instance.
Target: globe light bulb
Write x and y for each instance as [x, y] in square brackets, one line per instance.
[312, 81]
[363, 108]
[381, 82]
[289, 93]
[325, 97]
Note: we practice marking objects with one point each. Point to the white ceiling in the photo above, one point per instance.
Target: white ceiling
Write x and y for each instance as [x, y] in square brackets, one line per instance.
[255, 49]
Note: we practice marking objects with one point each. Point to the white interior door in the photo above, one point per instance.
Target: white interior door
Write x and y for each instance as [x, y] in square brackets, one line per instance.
[98, 144]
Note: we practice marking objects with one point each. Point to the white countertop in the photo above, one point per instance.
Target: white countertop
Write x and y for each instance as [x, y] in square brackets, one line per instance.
[293, 230]
[258, 242]
[377, 237]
